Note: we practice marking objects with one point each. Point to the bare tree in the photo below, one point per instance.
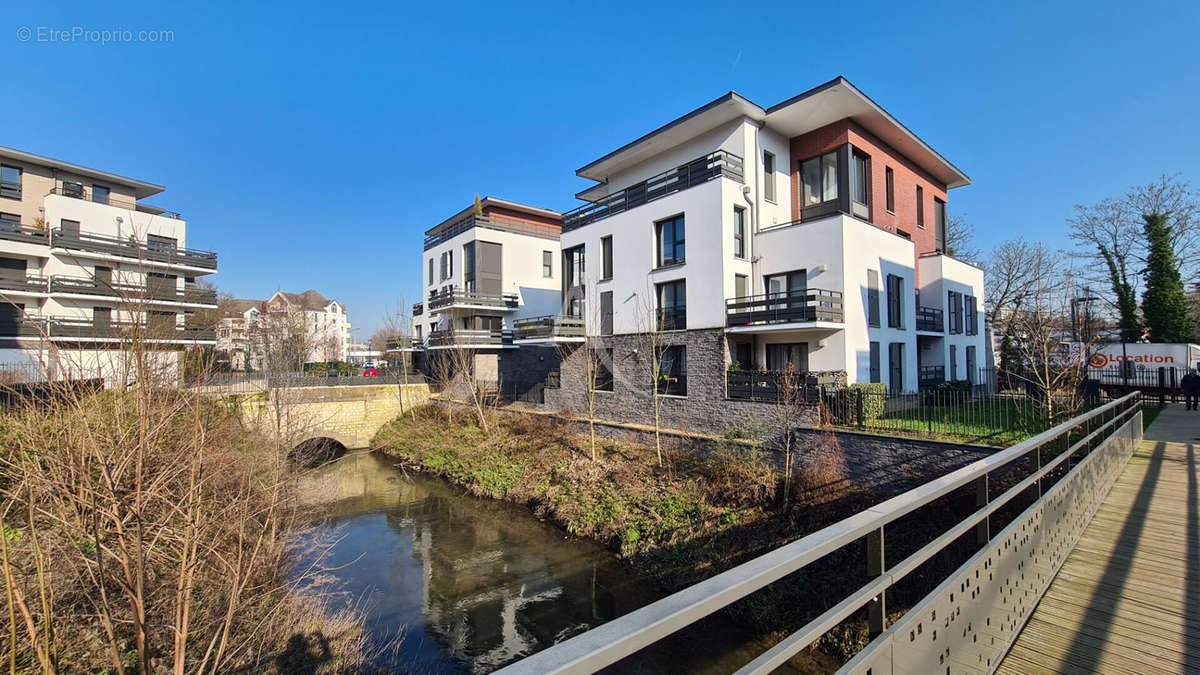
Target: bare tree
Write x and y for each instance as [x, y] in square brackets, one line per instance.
[284, 343]
[960, 239]
[1011, 275]
[792, 402]
[397, 331]
[653, 341]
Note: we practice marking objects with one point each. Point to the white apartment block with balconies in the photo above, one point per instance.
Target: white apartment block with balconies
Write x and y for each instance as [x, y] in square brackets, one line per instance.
[809, 233]
[86, 266]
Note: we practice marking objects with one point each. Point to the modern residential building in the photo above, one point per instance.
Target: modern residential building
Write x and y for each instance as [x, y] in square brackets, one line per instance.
[811, 232]
[491, 275]
[235, 333]
[86, 266]
[326, 323]
[322, 327]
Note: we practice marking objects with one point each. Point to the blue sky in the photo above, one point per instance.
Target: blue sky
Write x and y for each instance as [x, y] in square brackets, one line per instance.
[311, 144]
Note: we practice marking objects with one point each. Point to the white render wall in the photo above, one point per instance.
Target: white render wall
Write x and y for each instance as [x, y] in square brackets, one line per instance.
[941, 274]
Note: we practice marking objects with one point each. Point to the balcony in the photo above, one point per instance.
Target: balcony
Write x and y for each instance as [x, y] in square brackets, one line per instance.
[458, 298]
[133, 292]
[464, 338]
[695, 172]
[549, 329]
[403, 343]
[83, 192]
[769, 386]
[452, 230]
[22, 284]
[14, 231]
[70, 328]
[10, 190]
[134, 250]
[930, 319]
[931, 376]
[418, 309]
[808, 305]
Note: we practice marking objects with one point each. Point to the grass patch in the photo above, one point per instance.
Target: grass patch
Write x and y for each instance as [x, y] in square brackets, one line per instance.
[992, 421]
[1149, 414]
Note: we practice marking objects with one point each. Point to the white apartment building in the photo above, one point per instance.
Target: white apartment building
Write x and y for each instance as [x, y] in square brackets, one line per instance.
[235, 333]
[491, 281]
[326, 323]
[810, 232]
[86, 266]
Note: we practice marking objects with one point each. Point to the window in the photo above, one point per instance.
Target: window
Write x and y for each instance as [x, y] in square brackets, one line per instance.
[768, 176]
[672, 370]
[739, 232]
[449, 264]
[895, 301]
[860, 185]
[606, 313]
[972, 316]
[890, 181]
[971, 365]
[10, 222]
[10, 182]
[431, 271]
[572, 281]
[939, 224]
[670, 241]
[952, 376]
[442, 267]
[819, 176]
[741, 284]
[672, 305]
[896, 366]
[418, 327]
[875, 374]
[873, 298]
[920, 207]
[780, 355]
[100, 194]
[606, 263]
[547, 264]
[602, 362]
[955, 302]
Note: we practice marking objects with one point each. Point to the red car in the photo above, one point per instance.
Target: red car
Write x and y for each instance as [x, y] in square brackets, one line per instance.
[370, 372]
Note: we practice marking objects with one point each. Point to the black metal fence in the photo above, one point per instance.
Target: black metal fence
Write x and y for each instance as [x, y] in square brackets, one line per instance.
[252, 383]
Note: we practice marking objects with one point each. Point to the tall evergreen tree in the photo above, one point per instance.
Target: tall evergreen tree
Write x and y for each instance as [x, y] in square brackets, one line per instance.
[1127, 309]
[1163, 303]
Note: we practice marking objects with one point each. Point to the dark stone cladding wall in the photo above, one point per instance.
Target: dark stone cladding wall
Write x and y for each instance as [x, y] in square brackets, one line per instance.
[705, 408]
[523, 368]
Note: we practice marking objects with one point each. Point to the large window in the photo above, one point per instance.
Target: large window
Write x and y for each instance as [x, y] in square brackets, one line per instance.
[739, 232]
[820, 179]
[606, 313]
[572, 281]
[890, 181]
[672, 305]
[670, 241]
[602, 362]
[955, 302]
[873, 298]
[672, 370]
[547, 264]
[939, 224]
[920, 207]
[431, 271]
[10, 182]
[768, 176]
[100, 194]
[860, 185]
[895, 301]
[606, 259]
[972, 316]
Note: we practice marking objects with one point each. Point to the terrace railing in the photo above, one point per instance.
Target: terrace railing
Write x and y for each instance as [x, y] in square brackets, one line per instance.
[442, 299]
[546, 327]
[14, 231]
[80, 191]
[769, 385]
[30, 283]
[134, 249]
[460, 337]
[166, 292]
[695, 172]
[929, 376]
[930, 319]
[799, 306]
[71, 328]
[498, 223]
[973, 613]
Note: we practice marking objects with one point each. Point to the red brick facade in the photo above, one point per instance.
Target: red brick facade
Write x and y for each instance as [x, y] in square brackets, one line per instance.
[906, 175]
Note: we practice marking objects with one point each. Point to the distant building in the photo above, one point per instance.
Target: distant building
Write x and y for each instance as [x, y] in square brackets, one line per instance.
[326, 324]
[325, 328]
[239, 320]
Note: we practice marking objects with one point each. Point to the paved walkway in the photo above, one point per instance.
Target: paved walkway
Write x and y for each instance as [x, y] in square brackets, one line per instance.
[1127, 600]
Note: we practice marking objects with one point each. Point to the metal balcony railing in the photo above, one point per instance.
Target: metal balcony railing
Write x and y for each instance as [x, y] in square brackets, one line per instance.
[461, 337]
[456, 296]
[85, 193]
[418, 309]
[770, 386]
[133, 249]
[800, 306]
[547, 327]
[10, 190]
[15, 231]
[165, 292]
[930, 319]
[68, 328]
[695, 172]
[30, 283]
[930, 376]
[501, 224]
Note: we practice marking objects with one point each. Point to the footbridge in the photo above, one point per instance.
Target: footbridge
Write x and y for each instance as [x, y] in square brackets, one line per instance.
[1063, 555]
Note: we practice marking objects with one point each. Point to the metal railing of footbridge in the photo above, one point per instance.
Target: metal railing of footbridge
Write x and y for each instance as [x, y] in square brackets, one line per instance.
[977, 610]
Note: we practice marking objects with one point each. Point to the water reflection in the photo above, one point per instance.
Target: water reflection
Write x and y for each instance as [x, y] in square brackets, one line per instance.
[473, 584]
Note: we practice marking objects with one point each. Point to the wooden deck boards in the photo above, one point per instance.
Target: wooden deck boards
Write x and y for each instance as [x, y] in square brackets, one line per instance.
[1127, 600]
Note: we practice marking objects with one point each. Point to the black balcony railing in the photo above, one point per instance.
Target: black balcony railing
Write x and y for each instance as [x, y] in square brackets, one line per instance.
[10, 190]
[132, 248]
[15, 231]
[68, 328]
[80, 191]
[548, 327]
[498, 223]
[457, 296]
[165, 292]
[930, 319]
[695, 172]
[27, 283]
[771, 386]
[672, 318]
[931, 376]
[418, 309]
[799, 306]
[460, 337]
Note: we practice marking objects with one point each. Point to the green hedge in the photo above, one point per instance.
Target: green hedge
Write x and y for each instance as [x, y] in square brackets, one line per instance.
[843, 403]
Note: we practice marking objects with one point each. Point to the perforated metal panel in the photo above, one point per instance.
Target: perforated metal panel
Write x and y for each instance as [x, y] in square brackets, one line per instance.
[968, 623]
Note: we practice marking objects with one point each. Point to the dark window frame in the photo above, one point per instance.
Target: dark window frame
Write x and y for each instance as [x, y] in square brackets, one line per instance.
[606, 312]
[873, 313]
[547, 264]
[11, 189]
[739, 232]
[769, 192]
[107, 194]
[971, 309]
[920, 207]
[673, 316]
[874, 362]
[606, 258]
[954, 300]
[939, 224]
[890, 186]
[860, 181]
[895, 301]
[678, 244]
[603, 360]
[671, 379]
